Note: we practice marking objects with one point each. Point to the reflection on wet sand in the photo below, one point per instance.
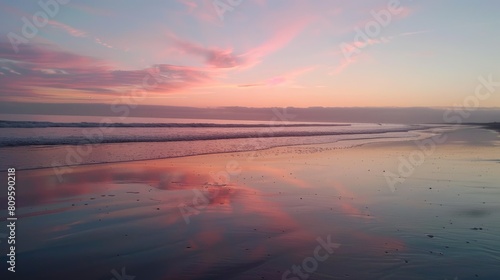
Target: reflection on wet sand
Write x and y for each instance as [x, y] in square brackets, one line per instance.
[242, 226]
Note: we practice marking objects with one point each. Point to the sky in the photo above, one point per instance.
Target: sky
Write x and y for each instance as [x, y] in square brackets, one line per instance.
[251, 53]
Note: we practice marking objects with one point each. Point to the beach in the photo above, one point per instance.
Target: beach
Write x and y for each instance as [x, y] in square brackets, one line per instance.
[244, 140]
[354, 209]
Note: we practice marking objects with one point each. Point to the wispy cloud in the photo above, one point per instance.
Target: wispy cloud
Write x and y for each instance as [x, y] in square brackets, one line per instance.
[288, 78]
[227, 58]
[343, 64]
[352, 53]
[100, 42]
[68, 29]
[191, 5]
[214, 57]
[74, 32]
[284, 32]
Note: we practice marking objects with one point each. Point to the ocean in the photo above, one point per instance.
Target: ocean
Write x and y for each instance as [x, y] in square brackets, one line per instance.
[29, 142]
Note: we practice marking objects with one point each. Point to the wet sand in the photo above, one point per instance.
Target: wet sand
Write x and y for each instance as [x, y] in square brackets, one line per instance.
[256, 215]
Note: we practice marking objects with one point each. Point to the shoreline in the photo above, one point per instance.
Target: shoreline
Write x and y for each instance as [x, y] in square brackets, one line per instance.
[51, 150]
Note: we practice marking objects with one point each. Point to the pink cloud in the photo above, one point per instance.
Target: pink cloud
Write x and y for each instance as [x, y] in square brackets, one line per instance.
[68, 29]
[226, 58]
[35, 70]
[280, 33]
[41, 56]
[214, 57]
[405, 12]
[189, 4]
[280, 39]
